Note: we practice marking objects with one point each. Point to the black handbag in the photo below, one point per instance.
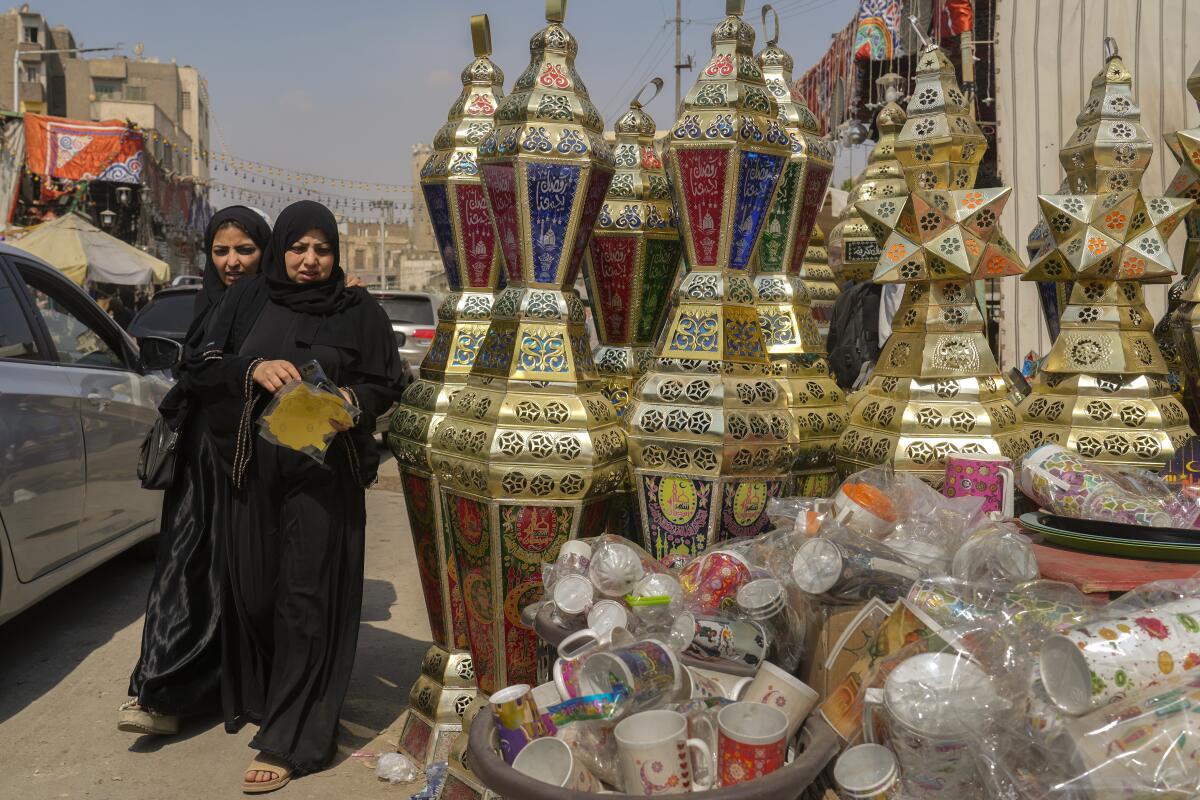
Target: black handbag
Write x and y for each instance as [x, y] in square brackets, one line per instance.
[156, 464]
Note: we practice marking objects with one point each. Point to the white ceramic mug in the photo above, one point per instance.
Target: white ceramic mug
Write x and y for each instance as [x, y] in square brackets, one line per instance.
[751, 741]
[656, 754]
[923, 709]
[574, 648]
[775, 687]
[551, 761]
[709, 683]
[867, 772]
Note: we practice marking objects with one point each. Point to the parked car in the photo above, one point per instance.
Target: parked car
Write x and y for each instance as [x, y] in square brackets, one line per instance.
[168, 314]
[188, 280]
[76, 400]
[413, 314]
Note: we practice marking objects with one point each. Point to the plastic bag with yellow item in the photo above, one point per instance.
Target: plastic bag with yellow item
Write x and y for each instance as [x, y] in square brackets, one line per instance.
[301, 417]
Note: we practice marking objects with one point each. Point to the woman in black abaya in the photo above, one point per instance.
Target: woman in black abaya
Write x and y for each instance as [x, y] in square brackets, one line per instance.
[177, 671]
[295, 545]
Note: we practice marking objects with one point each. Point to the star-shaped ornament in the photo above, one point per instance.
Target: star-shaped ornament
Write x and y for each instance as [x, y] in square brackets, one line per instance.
[1119, 236]
[947, 234]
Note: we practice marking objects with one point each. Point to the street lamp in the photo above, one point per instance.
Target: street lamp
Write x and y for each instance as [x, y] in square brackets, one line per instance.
[106, 218]
[16, 70]
[124, 195]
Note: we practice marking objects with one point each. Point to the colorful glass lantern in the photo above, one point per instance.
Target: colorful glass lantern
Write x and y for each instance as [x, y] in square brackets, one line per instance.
[462, 224]
[794, 343]
[936, 390]
[531, 451]
[630, 268]
[710, 433]
[853, 251]
[1103, 390]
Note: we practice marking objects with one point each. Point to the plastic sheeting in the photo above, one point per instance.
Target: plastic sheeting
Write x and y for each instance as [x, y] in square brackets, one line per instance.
[1046, 54]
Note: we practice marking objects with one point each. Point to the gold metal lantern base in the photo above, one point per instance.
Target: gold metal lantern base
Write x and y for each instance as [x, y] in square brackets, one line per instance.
[436, 704]
[820, 410]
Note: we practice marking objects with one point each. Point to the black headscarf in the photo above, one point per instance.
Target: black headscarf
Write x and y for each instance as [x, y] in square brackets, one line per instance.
[327, 297]
[256, 228]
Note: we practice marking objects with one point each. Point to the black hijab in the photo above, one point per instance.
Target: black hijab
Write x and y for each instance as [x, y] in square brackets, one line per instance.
[256, 228]
[327, 297]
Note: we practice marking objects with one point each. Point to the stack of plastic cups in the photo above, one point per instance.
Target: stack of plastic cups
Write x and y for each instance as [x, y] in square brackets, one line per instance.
[765, 601]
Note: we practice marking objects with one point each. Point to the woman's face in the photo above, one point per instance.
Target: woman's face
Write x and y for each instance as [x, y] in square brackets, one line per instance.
[310, 258]
[234, 254]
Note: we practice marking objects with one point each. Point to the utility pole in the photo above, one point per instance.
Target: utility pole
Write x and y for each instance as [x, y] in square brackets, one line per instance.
[680, 65]
[385, 208]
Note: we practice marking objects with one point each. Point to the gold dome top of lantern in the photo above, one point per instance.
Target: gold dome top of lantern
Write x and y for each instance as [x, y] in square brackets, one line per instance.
[806, 177]
[1109, 150]
[940, 146]
[1105, 228]
[853, 251]
[450, 178]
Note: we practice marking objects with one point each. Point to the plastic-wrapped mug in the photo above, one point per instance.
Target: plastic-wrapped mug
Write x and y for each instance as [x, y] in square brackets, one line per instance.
[574, 648]
[656, 754]
[825, 566]
[518, 721]
[922, 710]
[864, 508]
[751, 741]
[736, 641]
[1091, 665]
[551, 761]
[774, 687]
[867, 772]
[988, 476]
[711, 581]
[648, 670]
[1143, 746]
[605, 615]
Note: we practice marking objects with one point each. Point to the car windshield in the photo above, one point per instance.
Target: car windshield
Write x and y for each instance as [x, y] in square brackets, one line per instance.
[167, 312]
[416, 310]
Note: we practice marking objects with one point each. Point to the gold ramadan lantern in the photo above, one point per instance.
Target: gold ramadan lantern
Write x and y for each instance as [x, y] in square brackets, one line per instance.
[710, 433]
[1184, 297]
[794, 342]
[1103, 390]
[853, 251]
[936, 390]
[462, 224]
[630, 268]
[818, 280]
[531, 451]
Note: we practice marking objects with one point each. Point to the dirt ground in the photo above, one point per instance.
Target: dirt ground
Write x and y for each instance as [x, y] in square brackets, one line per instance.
[64, 669]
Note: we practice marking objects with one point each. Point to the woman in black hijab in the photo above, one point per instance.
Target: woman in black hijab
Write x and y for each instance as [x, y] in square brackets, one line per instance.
[295, 546]
[177, 671]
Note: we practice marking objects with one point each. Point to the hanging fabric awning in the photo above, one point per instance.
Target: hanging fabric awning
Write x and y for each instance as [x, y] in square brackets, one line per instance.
[76, 150]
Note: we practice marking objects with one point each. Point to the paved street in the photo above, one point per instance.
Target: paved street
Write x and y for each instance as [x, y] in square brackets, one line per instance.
[66, 663]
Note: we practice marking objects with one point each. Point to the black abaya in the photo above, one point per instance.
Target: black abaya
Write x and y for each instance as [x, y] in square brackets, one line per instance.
[296, 536]
[177, 669]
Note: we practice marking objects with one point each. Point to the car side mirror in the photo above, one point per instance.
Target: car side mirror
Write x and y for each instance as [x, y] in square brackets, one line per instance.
[401, 338]
[159, 352]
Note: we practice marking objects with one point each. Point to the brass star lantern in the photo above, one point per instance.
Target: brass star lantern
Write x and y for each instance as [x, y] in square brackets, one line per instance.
[1103, 390]
[462, 224]
[936, 389]
[794, 343]
[853, 251]
[710, 432]
[531, 451]
[630, 268]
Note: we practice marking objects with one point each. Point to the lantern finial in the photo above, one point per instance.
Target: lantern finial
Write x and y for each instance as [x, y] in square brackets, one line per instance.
[481, 35]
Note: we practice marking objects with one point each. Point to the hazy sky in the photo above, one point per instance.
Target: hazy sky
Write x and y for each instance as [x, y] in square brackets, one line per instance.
[345, 89]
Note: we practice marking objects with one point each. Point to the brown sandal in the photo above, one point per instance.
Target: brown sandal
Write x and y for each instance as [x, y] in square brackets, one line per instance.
[265, 763]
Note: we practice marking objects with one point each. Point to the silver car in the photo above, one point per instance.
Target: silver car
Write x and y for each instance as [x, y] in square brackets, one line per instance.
[76, 399]
[413, 314]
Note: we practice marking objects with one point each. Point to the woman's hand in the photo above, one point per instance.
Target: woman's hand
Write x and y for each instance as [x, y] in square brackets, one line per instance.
[273, 375]
[353, 280]
[337, 424]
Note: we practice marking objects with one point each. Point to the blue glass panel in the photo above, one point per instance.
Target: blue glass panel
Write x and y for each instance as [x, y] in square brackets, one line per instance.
[552, 190]
[439, 214]
[756, 186]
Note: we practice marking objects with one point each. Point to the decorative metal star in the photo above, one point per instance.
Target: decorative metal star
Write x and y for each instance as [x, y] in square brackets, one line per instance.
[946, 234]
[1117, 236]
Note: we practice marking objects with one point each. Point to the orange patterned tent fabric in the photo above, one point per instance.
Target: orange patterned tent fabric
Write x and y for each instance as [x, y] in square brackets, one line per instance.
[83, 151]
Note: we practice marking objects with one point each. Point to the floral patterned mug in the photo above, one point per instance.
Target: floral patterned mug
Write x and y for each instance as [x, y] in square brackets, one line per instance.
[751, 741]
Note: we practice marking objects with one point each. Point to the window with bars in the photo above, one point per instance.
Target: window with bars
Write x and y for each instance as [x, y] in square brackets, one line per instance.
[186, 101]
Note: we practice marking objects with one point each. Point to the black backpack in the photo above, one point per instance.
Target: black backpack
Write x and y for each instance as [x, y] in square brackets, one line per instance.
[854, 331]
